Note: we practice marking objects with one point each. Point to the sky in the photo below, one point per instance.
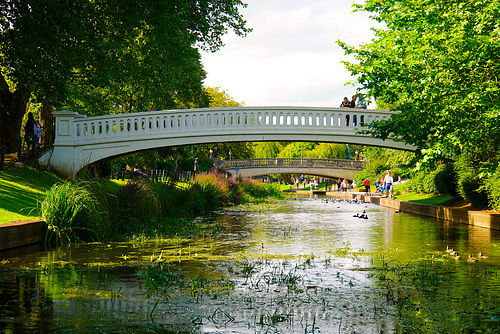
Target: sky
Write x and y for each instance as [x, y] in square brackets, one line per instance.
[290, 58]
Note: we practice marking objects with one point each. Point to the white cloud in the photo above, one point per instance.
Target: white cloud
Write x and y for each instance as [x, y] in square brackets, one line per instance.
[291, 57]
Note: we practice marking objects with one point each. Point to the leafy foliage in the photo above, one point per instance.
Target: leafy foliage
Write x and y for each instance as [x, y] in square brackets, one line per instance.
[437, 62]
[492, 187]
[71, 212]
[446, 180]
[298, 149]
[469, 183]
[107, 56]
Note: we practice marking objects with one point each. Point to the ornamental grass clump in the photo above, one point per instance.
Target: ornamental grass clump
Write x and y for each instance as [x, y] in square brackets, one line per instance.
[224, 190]
[71, 212]
[214, 186]
[257, 189]
[139, 204]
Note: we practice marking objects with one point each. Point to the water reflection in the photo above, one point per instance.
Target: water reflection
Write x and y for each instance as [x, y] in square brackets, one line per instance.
[300, 266]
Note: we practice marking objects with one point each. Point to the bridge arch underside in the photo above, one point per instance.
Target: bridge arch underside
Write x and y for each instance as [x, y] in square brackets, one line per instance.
[333, 173]
[95, 152]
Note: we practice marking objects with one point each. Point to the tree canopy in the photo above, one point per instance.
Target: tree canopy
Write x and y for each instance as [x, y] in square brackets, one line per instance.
[438, 62]
[107, 56]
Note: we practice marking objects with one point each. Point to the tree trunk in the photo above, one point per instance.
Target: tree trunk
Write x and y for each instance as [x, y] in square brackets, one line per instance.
[12, 109]
[47, 123]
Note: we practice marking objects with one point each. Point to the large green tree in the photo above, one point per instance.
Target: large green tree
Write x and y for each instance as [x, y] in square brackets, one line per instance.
[438, 62]
[101, 56]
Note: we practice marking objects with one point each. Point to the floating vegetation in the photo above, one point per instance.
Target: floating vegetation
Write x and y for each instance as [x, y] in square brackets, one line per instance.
[284, 272]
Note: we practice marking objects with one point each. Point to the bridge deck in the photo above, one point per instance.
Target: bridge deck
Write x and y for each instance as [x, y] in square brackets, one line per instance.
[82, 140]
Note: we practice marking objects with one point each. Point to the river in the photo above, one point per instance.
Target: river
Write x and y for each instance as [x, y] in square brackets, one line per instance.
[300, 265]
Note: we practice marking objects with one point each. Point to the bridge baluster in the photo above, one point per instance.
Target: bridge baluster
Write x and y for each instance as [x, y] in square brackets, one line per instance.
[81, 140]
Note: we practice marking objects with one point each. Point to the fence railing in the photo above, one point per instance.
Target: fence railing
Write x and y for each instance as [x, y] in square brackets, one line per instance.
[292, 162]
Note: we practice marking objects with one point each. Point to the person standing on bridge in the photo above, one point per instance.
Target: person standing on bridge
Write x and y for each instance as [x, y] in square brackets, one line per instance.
[345, 103]
[353, 102]
[362, 103]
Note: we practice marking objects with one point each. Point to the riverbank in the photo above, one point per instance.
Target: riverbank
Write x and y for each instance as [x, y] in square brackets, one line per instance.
[24, 187]
[457, 215]
[22, 233]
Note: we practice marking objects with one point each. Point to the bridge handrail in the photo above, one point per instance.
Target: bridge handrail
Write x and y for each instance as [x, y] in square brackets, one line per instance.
[82, 129]
[292, 162]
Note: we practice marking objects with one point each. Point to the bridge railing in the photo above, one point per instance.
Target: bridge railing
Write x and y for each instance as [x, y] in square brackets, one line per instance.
[292, 162]
[80, 129]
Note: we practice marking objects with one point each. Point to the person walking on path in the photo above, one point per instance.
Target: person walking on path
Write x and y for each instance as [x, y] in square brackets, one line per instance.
[388, 184]
[367, 186]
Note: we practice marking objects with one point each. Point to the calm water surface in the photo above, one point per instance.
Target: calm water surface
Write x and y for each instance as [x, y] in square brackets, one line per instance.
[299, 266]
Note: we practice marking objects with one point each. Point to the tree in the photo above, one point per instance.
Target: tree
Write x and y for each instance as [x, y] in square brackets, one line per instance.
[107, 55]
[220, 98]
[239, 150]
[438, 62]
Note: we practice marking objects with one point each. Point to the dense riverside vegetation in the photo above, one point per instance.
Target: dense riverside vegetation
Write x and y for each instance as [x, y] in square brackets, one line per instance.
[103, 210]
[437, 63]
[77, 58]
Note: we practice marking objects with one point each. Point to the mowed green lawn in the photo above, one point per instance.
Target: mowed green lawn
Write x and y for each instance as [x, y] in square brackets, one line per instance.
[21, 189]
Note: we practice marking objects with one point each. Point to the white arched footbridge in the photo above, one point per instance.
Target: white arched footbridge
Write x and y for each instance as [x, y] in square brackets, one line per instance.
[331, 168]
[81, 140]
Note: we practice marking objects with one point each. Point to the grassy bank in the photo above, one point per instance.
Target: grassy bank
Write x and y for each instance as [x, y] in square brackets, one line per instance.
[23, 189]
[104, 210]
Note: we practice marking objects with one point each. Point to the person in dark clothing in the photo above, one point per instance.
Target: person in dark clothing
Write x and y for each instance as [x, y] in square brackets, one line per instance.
[29, 131]
[353, 102]
[345, 103]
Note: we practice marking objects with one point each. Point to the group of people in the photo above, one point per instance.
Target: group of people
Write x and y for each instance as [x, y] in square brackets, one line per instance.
[32, 133]
[354, 103]
[385, 185]
[344, 185]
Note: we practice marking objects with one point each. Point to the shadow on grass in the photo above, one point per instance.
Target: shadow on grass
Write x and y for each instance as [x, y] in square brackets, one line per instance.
[22, 187]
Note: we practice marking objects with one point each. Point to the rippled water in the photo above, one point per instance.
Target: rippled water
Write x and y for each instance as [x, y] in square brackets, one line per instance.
[299, 266]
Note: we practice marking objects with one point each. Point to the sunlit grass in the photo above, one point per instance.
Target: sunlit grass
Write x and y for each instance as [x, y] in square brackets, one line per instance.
[425, 198]
[21, 189]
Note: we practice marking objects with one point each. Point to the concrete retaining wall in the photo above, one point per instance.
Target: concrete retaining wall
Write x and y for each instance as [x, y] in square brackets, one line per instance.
[21, 233]
[24, 233]
[476, 218]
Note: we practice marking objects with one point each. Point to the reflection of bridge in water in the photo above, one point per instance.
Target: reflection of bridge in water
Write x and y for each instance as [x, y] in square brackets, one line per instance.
[333, 168]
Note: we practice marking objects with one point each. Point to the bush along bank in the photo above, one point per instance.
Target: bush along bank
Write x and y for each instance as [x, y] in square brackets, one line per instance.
[102, 210]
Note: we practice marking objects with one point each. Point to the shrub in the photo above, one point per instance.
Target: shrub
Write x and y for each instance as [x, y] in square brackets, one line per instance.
[446, 180]
[71, 212]
[492, 188]
[103, 210]
[422, 182]
[469, 184]
[472, 192]
[225, 189]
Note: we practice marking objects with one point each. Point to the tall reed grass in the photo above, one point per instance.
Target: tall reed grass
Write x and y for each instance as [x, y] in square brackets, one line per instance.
[101, 210]
[71, 212]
